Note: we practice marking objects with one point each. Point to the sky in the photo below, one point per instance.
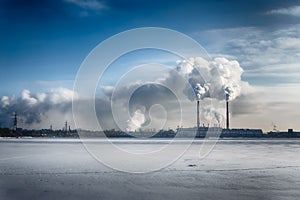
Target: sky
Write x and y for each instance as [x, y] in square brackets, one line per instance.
[43, 44]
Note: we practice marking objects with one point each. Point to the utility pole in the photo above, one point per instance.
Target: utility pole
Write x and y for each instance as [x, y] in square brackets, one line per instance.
[15, 126]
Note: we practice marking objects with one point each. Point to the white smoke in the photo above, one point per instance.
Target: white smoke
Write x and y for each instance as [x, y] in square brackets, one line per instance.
[136, 121]
[200, 90]
[228, 92]
[216, 78]
[209, 80]
[214, 116]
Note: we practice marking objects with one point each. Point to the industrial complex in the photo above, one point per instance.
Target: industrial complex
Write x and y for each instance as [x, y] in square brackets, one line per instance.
[197, 131]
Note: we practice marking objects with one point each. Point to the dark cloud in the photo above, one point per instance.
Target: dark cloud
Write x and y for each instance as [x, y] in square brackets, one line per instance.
[35, 109]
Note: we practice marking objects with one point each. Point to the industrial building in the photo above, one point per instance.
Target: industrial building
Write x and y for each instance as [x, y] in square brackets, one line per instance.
[281, 134]
[212, 132]
[202, 131]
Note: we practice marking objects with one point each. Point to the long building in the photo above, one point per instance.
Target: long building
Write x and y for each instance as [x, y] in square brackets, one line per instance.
[283, 134]
[218, 132]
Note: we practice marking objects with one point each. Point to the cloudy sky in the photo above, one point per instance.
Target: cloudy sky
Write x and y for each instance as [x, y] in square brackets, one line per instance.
[43, 44]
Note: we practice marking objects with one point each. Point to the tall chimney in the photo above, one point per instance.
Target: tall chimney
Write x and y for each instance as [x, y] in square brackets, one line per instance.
[227, 115]
[198, 116]
[66, 126]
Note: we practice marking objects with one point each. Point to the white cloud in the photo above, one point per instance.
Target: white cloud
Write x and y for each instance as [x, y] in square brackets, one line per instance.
[258, 48]
[27, 97]
[54, 96]
[294, 11]
[39, 110]
[41, 97]
[61, 95]
[269, 57]
[5, 101]
[288, 43]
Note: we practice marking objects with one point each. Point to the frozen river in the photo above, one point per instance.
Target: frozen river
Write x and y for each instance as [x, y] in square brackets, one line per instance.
[235, 169]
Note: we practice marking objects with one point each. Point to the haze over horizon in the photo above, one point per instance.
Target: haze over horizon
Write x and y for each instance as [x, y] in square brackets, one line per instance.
[43, 44]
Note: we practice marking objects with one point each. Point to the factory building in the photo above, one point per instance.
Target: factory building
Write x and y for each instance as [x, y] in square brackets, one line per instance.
[218, 132]
[202, 131]
[281, 134]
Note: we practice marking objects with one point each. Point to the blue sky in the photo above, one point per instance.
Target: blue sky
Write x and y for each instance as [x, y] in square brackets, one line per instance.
[43, 43]
[48, 40]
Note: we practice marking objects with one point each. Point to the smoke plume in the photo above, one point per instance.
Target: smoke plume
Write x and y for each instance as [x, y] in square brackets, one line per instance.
[214, 78]
[200, 90]
[136, 121]
[210, 80]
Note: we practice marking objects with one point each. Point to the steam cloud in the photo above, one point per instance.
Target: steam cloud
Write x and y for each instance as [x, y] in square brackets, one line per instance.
[136, 121]
[217, 79]
[200, 91]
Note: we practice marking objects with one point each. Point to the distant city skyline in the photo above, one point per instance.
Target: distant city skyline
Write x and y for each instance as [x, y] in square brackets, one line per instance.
[43, 44]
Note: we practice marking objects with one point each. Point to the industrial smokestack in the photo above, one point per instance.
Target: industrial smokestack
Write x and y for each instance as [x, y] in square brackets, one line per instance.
[228, 92]
[66, 126]
[200, 91]
[227, 109]
[227, 115]
[198, 116]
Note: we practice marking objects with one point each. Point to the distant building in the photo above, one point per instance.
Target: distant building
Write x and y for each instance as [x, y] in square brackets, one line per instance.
[281, 134]
[218, 132]
[242, 133]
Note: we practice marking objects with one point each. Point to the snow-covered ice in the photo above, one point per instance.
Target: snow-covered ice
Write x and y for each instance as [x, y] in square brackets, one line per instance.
[235, 169]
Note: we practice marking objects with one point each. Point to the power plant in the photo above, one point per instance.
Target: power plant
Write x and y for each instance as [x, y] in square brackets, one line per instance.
[198, 131]
[226, 111]
[202, 131]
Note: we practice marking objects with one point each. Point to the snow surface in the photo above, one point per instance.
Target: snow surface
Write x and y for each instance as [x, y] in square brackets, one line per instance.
[235, 169]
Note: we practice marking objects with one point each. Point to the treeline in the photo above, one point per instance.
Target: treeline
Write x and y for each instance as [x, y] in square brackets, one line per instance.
[5, 132]
[226, 133]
